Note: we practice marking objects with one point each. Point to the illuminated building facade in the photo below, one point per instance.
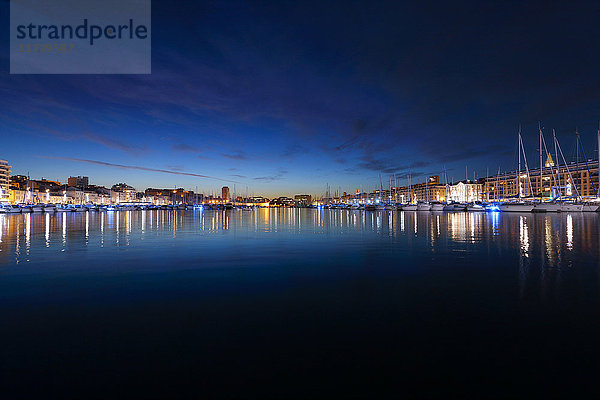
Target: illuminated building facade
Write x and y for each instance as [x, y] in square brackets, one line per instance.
[303, 200]
[574, 179]
[80, 182]
[172, 196]
[225, 193]
[465, 192]
[430, 190]
[4, 180]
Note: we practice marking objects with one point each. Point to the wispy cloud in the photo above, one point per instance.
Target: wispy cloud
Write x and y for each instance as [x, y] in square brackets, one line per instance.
[135, 167]
[236, 156]
[270, 178]
[186, 148]
[113, 143]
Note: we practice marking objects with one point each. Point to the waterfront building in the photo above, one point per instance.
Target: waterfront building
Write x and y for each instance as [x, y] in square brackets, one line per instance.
[574, 179]
[123, 187]
[225, 194]
[43, 185]
[81, 182]
[465, 192]
[303, 200]
[74, 195]
[170, 196]
[19, 182]
[258, 201]
[4, 180]
[430, 190]
[282, 202]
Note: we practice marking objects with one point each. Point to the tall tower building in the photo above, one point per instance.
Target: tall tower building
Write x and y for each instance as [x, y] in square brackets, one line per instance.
[225, 193]
[4, 180]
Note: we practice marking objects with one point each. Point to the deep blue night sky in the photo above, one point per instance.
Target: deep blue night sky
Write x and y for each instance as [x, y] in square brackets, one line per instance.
[284, 98]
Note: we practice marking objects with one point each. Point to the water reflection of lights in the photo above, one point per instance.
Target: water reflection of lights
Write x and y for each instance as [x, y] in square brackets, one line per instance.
[17, 245]
[524, 235]
[47, 230]
[458, 226]
[415, 223]
[570, 232]
[128, 222]
[402, 214]
[541, 238]
[473, 227]
[548, 238]
[226, 220]
[87, 227]
[27, 232]
[63, 215]
[102, 229]
[495, 219]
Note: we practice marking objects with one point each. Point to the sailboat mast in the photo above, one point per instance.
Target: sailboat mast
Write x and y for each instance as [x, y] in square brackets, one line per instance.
[487, 192]
[446, 186]
[409, 188]
[567, 167]
[557, 161]
[380, 188]
[541, 162]
[527, 168]
[497, 187]
[577, 144]
[395, 189]
[519, 174]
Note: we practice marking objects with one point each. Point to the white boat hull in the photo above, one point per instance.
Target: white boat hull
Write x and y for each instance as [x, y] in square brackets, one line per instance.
[547, 207]
[591, 208]
[424, 207]
[571, 207]
[409, 207]
[475, 208]
[508, 207]
[558, 207]
[437, 207]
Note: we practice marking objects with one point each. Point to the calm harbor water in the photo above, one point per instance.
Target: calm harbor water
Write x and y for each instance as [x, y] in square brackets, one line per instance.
[299, 303]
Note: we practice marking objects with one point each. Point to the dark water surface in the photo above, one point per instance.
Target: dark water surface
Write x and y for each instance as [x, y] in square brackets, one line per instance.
[299, 303]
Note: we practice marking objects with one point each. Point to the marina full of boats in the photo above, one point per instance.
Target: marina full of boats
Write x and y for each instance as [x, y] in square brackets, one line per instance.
[517, 206]
[420, 206]
[57, 208]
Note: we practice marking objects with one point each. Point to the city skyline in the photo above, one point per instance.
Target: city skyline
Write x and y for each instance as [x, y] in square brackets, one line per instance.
[287, 98]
